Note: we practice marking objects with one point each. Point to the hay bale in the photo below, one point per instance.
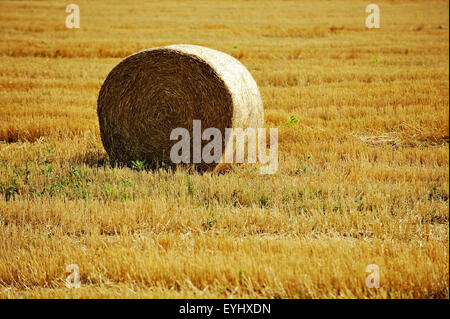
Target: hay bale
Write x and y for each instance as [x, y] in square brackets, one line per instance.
[153, 91]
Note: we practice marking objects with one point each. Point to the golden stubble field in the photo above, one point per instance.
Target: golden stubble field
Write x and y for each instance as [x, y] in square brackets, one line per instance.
[363, 165]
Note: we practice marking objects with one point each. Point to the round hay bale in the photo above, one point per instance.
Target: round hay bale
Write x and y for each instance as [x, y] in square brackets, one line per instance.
[154, 91]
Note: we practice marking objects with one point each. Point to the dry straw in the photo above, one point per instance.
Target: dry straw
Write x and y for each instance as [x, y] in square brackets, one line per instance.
[152, 92]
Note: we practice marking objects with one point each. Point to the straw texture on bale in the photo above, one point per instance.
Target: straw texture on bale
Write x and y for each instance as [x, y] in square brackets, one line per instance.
[153, 91]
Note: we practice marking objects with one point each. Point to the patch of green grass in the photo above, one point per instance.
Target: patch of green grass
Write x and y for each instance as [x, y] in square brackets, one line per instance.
[263, 201]
[291, 120]
[210, 223]
[9, 190]
[190, 186]
[123, 193]
[139, 165]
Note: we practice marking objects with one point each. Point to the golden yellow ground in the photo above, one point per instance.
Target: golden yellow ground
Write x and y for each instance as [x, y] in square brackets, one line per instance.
[363, 175]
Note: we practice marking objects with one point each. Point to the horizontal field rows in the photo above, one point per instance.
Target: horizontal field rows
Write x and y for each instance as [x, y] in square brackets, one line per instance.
[180, 265]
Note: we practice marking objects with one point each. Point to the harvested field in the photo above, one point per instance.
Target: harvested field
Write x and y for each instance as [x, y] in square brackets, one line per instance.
[363, 177]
